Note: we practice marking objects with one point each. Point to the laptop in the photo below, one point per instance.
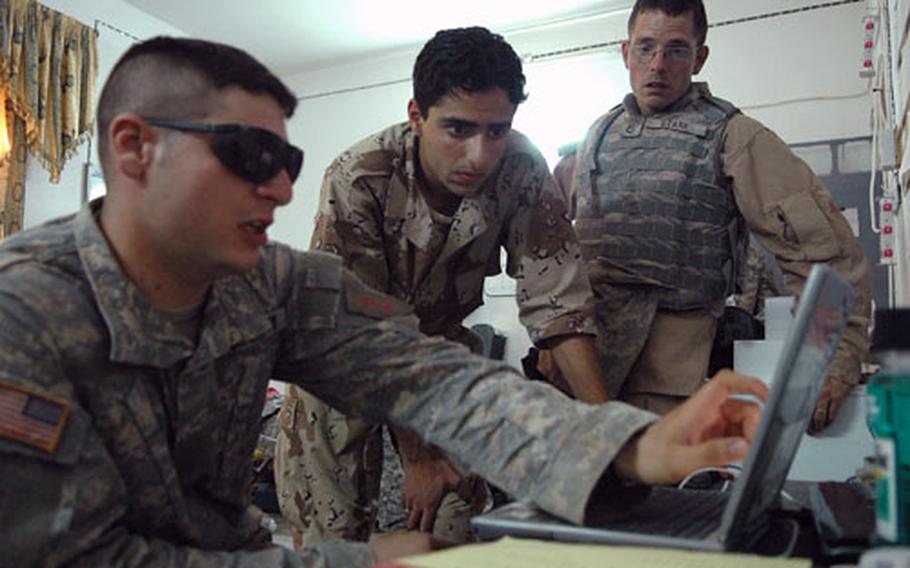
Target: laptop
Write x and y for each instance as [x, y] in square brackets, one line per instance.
[706, 519]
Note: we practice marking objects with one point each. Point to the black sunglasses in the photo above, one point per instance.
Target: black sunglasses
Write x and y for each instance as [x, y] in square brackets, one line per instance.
[254, 154]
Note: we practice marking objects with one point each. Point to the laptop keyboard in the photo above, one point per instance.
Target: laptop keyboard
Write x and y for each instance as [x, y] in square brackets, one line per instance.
[674, 512]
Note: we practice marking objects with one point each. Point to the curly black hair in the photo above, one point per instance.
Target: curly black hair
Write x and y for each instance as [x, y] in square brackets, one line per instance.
[466, 59]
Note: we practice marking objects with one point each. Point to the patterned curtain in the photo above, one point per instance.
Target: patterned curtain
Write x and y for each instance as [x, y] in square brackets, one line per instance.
[12, 176]
[48, 69]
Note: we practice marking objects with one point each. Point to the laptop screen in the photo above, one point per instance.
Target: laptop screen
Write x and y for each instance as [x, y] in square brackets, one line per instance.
[820, 320]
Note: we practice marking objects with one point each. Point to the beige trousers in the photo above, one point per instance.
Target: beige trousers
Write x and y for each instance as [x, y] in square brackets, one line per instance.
[328, 468]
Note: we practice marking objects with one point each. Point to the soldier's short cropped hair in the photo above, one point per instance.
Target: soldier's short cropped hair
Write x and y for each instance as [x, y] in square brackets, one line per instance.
[466, 59]
[179, 78]
[675, 8]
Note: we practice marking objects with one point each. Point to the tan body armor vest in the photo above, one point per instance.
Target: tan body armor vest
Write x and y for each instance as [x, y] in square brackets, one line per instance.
[662, 211]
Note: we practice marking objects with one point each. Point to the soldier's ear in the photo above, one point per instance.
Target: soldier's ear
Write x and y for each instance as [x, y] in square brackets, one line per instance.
[415, 117]
[700, 57]
[131, 146]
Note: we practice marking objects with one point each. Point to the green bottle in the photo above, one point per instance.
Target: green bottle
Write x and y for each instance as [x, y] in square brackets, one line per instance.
[889, 420]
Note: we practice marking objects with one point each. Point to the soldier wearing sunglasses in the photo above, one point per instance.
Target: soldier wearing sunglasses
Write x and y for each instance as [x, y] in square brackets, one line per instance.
[138, 336]
[421, 210]
[666, 185]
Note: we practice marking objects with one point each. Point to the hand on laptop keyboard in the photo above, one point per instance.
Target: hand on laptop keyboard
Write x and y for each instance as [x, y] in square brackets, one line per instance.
[710, 429]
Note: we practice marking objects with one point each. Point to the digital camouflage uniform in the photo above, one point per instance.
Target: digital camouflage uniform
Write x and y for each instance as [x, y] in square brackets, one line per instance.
[759, 278]
[155, 435]
[374, 215]
[654, 197]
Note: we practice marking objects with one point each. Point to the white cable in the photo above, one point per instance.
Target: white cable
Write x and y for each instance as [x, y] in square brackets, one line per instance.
[812, 99]
[878, 122]
[873, 167]
[732, 471]
[786, 495]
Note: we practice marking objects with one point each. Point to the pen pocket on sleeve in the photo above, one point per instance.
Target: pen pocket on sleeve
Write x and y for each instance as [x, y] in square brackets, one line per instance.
[805, 229]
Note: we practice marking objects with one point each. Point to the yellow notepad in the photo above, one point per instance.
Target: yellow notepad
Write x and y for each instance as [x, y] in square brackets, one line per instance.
[521, 553]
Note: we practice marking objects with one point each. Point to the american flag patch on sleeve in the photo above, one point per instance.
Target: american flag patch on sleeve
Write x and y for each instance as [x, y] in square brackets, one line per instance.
[31, 417]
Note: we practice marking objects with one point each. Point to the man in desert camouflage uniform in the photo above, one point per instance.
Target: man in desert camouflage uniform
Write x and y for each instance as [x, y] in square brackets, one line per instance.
[138, 336]
[421, 211]
[666, 184]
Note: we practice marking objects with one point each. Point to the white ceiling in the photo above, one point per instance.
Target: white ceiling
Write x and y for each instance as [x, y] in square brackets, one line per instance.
[300, 35]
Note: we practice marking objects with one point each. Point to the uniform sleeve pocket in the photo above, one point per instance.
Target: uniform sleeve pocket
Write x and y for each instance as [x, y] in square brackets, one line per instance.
[319, 292]
[805, 230]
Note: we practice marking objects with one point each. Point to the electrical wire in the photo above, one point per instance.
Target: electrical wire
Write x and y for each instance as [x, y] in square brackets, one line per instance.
[102, 23]
[731, 471]
[786, 495]
[813, 99]
[873, 166]
[879, 123]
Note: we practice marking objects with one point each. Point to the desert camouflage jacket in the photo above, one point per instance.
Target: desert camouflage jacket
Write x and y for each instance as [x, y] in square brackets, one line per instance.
[374, 214]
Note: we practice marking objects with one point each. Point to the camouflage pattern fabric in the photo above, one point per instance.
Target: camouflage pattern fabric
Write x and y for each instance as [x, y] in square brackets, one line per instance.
[328, 468]
[624, 317]
[328, 471]
[658, 210]
[636, 340]
[373, 214]
[759, 278]
[154, 457]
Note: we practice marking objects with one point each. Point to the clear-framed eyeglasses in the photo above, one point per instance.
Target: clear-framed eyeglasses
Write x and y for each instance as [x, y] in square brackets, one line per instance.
[678, 53]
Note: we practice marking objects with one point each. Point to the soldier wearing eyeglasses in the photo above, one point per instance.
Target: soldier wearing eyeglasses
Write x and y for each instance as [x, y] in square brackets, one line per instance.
[666, 185]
